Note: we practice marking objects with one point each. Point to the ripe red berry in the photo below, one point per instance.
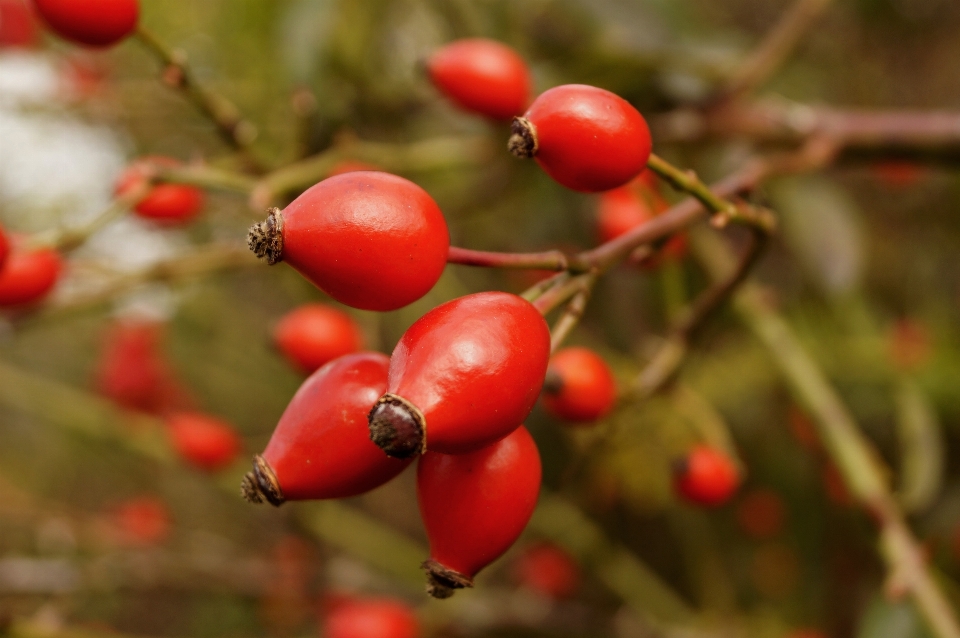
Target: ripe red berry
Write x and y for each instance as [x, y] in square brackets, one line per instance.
[95, 23]
[585, 138]
[28, 275]
[164, 203]
[549, 570]
[203, 440]
[132, 371]
[313, 334]
[482, 76]
[463, 376]
[4, 246]
[371, 618]
[474, 506]
[369, 239]
[580, 386]
[143, 520]
[321, 447]
[706, 476]
[18, 27]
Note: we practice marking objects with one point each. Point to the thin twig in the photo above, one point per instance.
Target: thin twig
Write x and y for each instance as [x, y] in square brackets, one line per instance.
[563, 290]
[775, 47]
[569, 319]
[547, 260]
[235, 130]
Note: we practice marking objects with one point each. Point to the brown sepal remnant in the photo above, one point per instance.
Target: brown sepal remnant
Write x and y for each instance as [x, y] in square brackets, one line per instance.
[265, 238]
[442, 582]
[261, 484]
[523, 141]
[397, 427]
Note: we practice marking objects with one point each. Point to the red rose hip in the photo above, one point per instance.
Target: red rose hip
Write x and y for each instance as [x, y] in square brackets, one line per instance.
[164, 203]
[314, 334]
[95, 23]
[28, 275]
[482, 76]
[706, 476]
[474, 506]
[622, 209]
[204, 441]
[321, 447]
[580, 387]
[585, 138]
[368, 239]
[132, 371]
[548, 570]
[462, 376]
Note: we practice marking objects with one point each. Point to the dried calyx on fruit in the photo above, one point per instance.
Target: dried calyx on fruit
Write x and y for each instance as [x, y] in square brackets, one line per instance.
[474, 507]
[580, 387]
[94, 23]
[369, 239]
[585, 138]
[462, 376]
[482, 76]
[321, 446]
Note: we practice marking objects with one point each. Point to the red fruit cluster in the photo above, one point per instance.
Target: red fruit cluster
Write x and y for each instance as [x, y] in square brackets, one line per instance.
[706, 476]
[94, 23]
[580, 387]
[168, 204]
[482, 76]
[314, 334]
[456, 389]
[370, 240]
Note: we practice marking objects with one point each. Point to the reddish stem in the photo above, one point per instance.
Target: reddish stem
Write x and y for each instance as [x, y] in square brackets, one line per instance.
[548, 260]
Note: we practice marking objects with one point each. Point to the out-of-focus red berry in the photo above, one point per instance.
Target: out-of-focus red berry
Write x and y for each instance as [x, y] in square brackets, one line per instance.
[622, 209]
[371, 618]
[548, 570]
[28, 275]
[18, 27]
[706, 476]
[836, 487]
[313, 334]
[761, 514]
[143, 520]
[898, 173]
[580, 387]
[202, 440]
[164, 203]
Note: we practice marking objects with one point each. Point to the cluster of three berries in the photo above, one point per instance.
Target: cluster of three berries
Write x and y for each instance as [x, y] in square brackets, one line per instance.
[456, 390]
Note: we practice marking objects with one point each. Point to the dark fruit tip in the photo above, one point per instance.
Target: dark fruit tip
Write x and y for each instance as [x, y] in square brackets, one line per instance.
[397, 427]
[265, 238]
[523, 141]
[261, 484]
[443, 582]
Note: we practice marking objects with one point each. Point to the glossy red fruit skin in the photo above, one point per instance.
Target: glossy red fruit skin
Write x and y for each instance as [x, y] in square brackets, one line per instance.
[169, 204]
[474, 506]
[482, 76]
[586, 388]
[4, 247]
[204, 441]
[28, 275]
[371, 618]
[94, 23]
[586, 138]
[321, 447]
[368, 239]
[706, 477]
[473, 367]
[313, 334]
[548, 570]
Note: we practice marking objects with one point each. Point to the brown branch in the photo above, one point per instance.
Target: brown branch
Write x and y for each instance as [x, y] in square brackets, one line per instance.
[569, 319]
[775, 47]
